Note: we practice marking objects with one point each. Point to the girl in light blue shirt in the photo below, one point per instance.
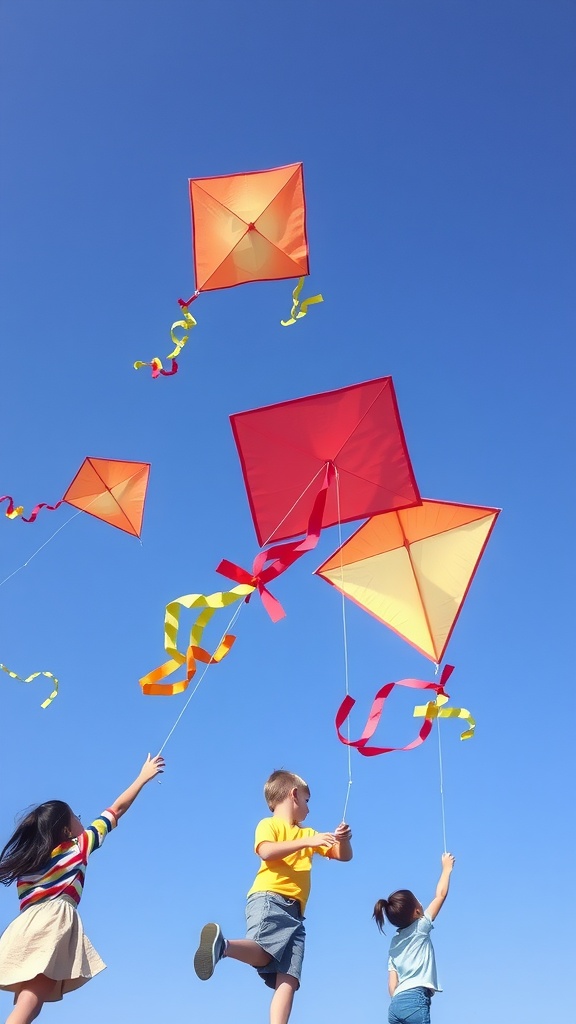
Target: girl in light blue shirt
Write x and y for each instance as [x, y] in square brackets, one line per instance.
[412, 979]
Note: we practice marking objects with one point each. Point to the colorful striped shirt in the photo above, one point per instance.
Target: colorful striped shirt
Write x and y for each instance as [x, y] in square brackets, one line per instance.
[63, 875]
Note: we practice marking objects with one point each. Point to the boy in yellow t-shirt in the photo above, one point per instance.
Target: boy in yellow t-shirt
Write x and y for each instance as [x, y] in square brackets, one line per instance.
[274, 942]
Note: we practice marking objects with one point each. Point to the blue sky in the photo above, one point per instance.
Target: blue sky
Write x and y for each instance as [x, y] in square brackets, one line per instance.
[439, 162]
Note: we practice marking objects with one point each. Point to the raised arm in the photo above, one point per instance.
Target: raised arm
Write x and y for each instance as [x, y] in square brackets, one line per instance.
[152, 767]
[342, 850]
[442, 888]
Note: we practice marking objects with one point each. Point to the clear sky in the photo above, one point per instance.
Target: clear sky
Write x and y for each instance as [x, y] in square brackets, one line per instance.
[439, 153]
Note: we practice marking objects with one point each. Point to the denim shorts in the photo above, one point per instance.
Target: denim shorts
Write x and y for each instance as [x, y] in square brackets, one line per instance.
[275, 922]
[410, 1007]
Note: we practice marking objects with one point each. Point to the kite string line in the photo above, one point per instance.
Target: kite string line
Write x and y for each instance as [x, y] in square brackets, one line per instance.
[290, 510]
[203, 673]
[345, 645]
[441, 770]
[38, 550]
[441, 786]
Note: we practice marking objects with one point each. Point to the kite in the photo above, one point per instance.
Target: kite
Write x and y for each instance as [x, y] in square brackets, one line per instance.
[245, 227]
[250, 227]
[412, 568]
[285, 449]
[317, 461]
[30, 679]
[109, 489]
[429, 712]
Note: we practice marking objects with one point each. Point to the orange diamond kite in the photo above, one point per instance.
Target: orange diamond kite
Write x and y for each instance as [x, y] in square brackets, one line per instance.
[112, 490]
[412, 569]
[249, 227]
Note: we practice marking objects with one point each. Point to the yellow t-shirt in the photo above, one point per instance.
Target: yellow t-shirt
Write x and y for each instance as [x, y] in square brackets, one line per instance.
[290, 876]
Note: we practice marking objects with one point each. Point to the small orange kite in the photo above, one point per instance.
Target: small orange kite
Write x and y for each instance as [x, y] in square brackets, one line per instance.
[109, 489]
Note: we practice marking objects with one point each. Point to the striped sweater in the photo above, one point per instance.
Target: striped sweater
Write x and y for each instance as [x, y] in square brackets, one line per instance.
[63, 875]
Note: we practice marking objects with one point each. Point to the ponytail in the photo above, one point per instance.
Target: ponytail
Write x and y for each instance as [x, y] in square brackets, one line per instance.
[399, 909]
[378, 913]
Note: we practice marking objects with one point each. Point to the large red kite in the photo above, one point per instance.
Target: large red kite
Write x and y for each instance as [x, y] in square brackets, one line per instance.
[412, 569]
[109, 489]
[286, 449]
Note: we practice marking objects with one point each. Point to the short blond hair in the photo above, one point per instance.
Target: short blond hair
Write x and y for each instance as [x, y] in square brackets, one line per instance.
[279, 785]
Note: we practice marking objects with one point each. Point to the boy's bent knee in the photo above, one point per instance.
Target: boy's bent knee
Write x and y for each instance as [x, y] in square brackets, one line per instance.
[288, 980]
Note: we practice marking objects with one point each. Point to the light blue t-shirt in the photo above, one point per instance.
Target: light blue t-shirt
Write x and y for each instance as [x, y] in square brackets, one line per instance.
[411, 955]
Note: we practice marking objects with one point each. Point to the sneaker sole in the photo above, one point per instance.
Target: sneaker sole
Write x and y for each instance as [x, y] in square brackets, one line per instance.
[204, 956]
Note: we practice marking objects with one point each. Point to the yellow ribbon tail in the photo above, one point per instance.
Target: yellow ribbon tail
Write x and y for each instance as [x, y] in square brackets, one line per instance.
[30, 679]
[297, 313]
[15, 512]
[435, 709]
[187, 323]
[152, 684]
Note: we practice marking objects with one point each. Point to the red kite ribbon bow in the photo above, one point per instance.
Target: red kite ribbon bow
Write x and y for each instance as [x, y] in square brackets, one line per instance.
[376, 714]
[281, 556]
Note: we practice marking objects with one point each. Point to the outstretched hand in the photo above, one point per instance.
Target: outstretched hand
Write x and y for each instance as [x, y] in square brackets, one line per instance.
[152, 767]
[448, 861]
[343, 831]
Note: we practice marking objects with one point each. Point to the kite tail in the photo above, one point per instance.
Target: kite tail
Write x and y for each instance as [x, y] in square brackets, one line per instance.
[157, 368]
[30, 679]
[281, 556]
[297, 313]
[188, 322]
[13, 512]
[430, 711]
[153, 684]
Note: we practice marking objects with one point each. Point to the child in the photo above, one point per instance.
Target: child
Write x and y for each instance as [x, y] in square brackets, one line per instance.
[44, 952]
[412, 977]
[274, 942]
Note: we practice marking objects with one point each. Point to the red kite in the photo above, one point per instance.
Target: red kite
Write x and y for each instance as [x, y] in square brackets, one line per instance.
[412, 569]
[110, 489]
[286, 449]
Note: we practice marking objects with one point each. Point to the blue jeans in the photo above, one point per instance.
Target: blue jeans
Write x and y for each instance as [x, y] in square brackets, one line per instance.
[410, 1007]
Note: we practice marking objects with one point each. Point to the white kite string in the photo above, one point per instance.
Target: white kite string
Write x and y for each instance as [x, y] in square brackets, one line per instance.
[202, 674]
[345, 646]
[290, 510]
[441, 769]
[236, 613]
[38, 550]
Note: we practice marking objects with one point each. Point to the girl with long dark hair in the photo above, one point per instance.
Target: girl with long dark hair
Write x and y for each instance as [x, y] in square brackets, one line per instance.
[412, 979]
[44, 952]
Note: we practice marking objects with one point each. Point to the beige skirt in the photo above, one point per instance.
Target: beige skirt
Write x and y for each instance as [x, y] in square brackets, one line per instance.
[48, 939]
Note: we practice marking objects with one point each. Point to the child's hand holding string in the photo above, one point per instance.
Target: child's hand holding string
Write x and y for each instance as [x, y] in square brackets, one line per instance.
[152, 767]
[343, 832]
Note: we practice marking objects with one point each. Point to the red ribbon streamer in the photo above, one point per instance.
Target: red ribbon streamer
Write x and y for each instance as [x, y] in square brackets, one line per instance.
[35, 511]
[156, 371]
[376, 714]
[183, 303]
[281, 556]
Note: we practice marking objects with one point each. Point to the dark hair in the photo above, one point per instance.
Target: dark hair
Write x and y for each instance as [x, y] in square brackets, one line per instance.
[37, 835]
[399, 909]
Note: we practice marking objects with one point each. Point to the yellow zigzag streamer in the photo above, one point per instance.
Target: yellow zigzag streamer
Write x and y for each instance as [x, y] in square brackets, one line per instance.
[31, 679]
[435, 709]
[151, 683]
[188, 322]
[295, 313]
